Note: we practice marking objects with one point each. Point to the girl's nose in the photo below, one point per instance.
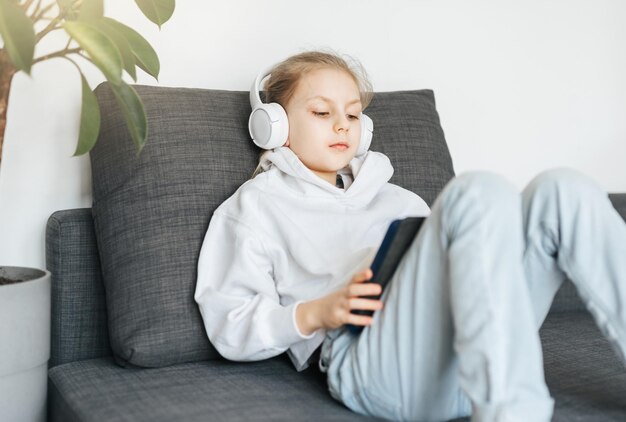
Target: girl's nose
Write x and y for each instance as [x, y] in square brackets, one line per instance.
[342, 123]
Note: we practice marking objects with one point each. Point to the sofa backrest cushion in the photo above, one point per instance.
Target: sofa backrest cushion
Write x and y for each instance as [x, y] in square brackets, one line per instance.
[151, 211]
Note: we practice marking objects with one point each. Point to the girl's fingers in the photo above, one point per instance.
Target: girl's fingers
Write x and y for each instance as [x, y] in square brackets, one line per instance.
[366, 304]
[360, 320]
[367, 289]
[362, 276]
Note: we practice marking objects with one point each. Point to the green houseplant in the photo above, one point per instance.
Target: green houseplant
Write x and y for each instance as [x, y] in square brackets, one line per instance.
[108, 44]
[113, 48]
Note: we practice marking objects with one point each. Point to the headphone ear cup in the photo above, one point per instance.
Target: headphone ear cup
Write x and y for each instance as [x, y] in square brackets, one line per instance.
[268, 126]
[367, 131]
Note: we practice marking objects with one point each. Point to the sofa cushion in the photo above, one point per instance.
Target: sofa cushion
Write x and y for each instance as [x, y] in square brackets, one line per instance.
[585, 377]
[151, 211]
[98, 390]
[583, 373]
[408, 131]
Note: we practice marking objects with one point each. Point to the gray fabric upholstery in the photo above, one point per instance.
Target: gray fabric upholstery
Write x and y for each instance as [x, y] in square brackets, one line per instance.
[567, 299]
[78, 326]
[619, 202]
[585, 377]
[151, 211]
[218, 390]
[407, 129]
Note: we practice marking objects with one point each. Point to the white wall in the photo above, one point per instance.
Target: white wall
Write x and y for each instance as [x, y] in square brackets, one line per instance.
[521, 86]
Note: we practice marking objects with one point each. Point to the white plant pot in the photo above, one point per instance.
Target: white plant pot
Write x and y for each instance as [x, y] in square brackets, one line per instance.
[24, 344]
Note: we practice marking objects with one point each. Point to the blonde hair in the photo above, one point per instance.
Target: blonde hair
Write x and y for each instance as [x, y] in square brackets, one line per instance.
[284, 78]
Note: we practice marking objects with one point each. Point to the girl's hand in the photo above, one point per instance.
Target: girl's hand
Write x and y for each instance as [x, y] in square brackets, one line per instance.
[333, 311]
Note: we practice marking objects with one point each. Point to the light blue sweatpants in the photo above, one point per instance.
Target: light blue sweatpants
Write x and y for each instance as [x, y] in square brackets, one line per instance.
[458, 334]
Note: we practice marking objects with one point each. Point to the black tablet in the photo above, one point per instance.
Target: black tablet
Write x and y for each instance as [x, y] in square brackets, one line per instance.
[396, 242]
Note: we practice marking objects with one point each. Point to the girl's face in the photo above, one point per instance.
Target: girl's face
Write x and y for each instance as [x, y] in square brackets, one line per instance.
[324, 127]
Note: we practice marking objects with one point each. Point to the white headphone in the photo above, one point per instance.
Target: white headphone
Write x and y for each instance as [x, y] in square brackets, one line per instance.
[269, 127]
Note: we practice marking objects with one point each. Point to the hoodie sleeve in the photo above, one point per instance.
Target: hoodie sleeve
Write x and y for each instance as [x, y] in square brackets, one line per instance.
[237, 295]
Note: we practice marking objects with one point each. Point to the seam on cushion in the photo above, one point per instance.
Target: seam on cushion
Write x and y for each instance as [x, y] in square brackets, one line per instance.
[53, 229]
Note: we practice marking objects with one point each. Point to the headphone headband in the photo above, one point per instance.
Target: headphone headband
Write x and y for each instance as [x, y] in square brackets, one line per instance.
[255, 96]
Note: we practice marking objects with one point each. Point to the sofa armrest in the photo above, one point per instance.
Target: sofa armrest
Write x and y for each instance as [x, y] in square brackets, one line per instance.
[79, 321]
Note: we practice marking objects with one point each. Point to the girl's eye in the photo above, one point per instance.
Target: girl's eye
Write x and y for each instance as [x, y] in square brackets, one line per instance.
[320, 113]
[353, 117]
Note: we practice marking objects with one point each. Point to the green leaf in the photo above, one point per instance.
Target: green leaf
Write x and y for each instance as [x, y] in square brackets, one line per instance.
[158, 11]
[89, 120]
[18, 34]
[100, 48]
[91, 10]
[122, 44]
[146, 57]
[133, 110]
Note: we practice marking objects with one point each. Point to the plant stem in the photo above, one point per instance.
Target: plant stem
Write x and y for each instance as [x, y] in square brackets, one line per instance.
[37, 16]
[59, 53]
[51, 27]
[35, 10]
[7, 70]
[26, 5]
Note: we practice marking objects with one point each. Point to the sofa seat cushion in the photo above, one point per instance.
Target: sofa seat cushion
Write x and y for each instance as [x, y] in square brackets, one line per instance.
[583, 373]
[585, 377]
[216, 390]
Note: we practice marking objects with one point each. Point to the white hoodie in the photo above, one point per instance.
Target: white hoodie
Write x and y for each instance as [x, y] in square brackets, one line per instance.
[289, 236]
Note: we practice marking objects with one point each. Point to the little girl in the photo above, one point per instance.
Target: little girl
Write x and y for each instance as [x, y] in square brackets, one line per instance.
[286, 259]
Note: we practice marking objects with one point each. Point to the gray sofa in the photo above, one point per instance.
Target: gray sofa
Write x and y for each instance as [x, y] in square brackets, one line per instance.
[127, 339]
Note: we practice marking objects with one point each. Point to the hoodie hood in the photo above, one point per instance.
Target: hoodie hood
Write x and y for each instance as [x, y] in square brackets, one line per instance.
[377, 170]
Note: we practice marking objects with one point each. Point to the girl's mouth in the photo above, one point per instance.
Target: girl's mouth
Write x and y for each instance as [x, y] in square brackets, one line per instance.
[340, 146]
